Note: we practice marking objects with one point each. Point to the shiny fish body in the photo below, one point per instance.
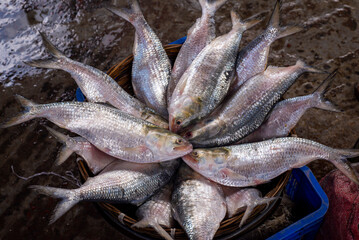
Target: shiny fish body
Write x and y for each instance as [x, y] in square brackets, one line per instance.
[118, 183]
[198, 204]
[97, 86]
[252, 59]
[110, 130]
[198, 36]
[245, 111]
[206, 81]
[256, 163]
[157, 211]
[151, 67]
[95, 159]
[286, 114]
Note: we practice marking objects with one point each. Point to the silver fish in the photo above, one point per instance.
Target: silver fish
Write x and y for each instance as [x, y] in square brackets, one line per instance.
[110, 130]
[243, 199]
[206, 81]
[286, 114]
[95, 159]
[97, 85]
[245, 111]
[252, 59]
[151, 68]
[156, 211]
[198, 204]
[256, 163]
[198, 36]
[131, 183]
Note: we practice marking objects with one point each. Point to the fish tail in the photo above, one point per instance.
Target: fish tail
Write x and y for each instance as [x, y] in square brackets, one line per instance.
[274, 22]
[257, 202]
[68, 147]
[306, 68]
[341, 162]
[210, 7]
[54, 62]
[320, 101]
[237, 23]
[27, 114]
[148, 223]
[130, 14]
[68, 199]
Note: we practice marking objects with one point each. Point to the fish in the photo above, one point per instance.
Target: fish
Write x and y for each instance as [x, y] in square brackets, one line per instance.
[156, 211]
[96, 85]
[286, 114]
[253, 58]
[205, 83]
[110, 130]
[151, 67]
[243, 199]
[198, 36]
[129, 183]
[246, 110]
[198, 204]
[95, 159]
[252, 164]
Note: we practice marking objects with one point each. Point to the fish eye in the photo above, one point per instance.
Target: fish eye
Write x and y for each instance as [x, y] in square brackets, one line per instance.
[188, 135]
[179, 141]
[195, 154]
[178, 121]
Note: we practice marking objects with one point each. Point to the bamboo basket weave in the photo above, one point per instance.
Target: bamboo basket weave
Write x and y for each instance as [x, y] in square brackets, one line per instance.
[121, 72]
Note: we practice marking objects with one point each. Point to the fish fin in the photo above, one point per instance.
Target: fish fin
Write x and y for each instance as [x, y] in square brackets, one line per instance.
[54, 62]
[274, 21]
[343, 164]
[50, 47]
[255, 203]
[130, 14]
[300, 63]
[210, 7]
[147, 223]
[237, 23]
[27, 114]
[66, 150]
[320, 101]
[68, 199]
[290, 30]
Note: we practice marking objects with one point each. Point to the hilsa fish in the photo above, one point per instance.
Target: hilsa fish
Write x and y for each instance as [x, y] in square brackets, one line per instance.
[253, 58]
[157, 211]
[246, 110]
[95, 159]
[256, 163]
[151, 67]
[198, 204]
[110, 130]
[198, 36]
[96, 85]
[286, 114]
[243, 199]
[206, 81]
[126, 183]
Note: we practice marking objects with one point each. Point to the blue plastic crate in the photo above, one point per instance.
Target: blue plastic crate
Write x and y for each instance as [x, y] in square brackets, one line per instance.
[305, 191]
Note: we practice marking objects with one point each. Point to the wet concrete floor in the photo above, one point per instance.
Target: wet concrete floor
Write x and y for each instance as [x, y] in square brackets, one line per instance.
[86, 32]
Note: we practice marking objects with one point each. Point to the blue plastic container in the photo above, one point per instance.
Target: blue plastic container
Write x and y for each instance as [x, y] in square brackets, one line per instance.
[305, 191]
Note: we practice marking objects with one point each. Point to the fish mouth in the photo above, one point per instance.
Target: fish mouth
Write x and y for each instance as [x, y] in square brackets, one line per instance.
[190, 160]
[184, 149]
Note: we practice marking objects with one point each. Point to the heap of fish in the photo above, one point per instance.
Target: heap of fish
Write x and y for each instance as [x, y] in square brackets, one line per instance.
[217, 97]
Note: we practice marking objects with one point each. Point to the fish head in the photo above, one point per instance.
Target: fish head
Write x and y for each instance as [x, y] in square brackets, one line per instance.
[182, 112]
[162, 142]
[207, 128]
[208, 160]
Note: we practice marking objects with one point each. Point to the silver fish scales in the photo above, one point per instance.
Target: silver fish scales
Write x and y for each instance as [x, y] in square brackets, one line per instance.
[97, 86]
[118, 183]
[256, 163]
[112, 131]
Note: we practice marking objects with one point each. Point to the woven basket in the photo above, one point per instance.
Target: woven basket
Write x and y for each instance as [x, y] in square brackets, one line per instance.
[229, 227]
